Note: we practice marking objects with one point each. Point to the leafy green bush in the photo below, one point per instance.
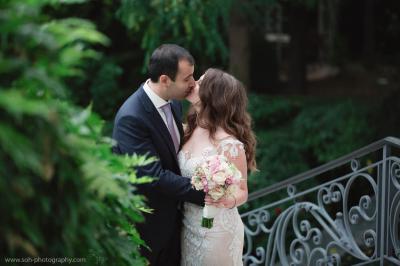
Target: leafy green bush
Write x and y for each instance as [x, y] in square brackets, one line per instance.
[104, 90]
[64, 194]
[273, 112]
[331, 130]
[297, 134]
[195, 24]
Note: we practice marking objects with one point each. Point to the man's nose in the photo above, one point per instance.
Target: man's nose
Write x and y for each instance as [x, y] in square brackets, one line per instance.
[192, 82]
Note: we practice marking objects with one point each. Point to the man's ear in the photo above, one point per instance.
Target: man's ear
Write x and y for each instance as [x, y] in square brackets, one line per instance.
[164, 80]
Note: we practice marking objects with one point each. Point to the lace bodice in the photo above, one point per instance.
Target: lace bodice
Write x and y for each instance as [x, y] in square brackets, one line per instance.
[188, 162]
[223, 243]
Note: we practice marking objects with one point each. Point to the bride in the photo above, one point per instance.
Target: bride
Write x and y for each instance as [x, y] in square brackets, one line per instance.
[217, 123]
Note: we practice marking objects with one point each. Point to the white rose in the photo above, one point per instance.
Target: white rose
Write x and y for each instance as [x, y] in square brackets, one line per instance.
[197, 183]
[224, 165]
[198, 186]
[217, 193]
[237, 175]
[231, 190]
[211, 184]
[207, 173]
[219, 178]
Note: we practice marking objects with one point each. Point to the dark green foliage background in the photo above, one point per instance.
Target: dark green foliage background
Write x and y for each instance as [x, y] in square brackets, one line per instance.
[67, 65]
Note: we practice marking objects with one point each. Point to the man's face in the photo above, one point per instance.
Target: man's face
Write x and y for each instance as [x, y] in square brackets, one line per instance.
[184, 82]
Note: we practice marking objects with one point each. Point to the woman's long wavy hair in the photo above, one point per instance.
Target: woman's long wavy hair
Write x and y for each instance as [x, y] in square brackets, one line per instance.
[223, 103]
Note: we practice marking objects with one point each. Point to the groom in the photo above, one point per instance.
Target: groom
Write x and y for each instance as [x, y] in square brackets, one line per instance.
[149, 122]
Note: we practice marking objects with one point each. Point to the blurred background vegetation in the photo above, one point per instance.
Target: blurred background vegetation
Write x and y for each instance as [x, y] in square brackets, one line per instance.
[322, 76]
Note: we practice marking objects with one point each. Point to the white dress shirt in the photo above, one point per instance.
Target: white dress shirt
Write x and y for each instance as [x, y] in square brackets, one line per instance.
[158, 103]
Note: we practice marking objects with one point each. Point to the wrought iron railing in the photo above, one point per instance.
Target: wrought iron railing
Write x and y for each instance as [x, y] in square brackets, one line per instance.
[346, 212]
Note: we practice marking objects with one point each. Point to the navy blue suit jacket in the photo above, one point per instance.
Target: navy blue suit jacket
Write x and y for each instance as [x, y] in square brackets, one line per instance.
[139, 128]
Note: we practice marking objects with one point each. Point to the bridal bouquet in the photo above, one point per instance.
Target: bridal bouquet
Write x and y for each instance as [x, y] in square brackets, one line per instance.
[217, 177]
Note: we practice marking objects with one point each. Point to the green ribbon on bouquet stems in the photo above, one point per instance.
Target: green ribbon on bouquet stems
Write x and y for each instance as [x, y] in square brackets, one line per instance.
[207, 222]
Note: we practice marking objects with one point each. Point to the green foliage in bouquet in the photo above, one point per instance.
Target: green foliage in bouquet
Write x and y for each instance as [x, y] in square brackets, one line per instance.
[64, 194]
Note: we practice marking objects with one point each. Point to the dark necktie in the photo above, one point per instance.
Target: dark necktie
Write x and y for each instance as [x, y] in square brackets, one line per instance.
[170, 122]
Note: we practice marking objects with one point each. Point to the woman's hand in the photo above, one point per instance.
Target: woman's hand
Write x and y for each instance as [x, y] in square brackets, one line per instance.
[228, 201]
[193, 97]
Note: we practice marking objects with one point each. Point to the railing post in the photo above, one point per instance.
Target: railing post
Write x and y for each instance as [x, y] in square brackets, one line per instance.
[383, 188]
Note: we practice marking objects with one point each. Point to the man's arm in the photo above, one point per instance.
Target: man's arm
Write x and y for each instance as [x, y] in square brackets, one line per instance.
[133, 136]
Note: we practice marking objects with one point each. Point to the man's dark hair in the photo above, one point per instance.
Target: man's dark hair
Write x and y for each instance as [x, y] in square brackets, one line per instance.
[165, 60]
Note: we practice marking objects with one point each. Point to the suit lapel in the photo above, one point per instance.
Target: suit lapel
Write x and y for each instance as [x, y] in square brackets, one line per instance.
[157, 120]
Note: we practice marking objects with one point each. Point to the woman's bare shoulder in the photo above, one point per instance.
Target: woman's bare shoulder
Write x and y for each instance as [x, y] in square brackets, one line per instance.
[221, 134]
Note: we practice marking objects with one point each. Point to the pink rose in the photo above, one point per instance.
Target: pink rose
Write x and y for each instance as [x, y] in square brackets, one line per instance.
[214, 166]
[229, 180]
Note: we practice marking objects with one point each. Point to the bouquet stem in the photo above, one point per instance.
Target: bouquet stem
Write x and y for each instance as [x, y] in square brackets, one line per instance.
[207, 222]
[209, 212]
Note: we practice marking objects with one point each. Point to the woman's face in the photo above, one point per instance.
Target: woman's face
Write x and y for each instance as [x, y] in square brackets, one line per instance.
[193, 97]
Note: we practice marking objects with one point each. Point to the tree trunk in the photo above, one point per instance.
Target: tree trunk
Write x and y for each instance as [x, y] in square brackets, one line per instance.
[369, 41]
[239, 55]
[332, 28]
[297, 57]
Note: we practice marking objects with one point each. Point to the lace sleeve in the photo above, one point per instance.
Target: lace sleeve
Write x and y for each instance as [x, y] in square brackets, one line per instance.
[230, 147]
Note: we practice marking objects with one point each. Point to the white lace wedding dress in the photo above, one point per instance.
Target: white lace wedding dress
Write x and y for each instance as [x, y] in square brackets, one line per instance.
[223, 243]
